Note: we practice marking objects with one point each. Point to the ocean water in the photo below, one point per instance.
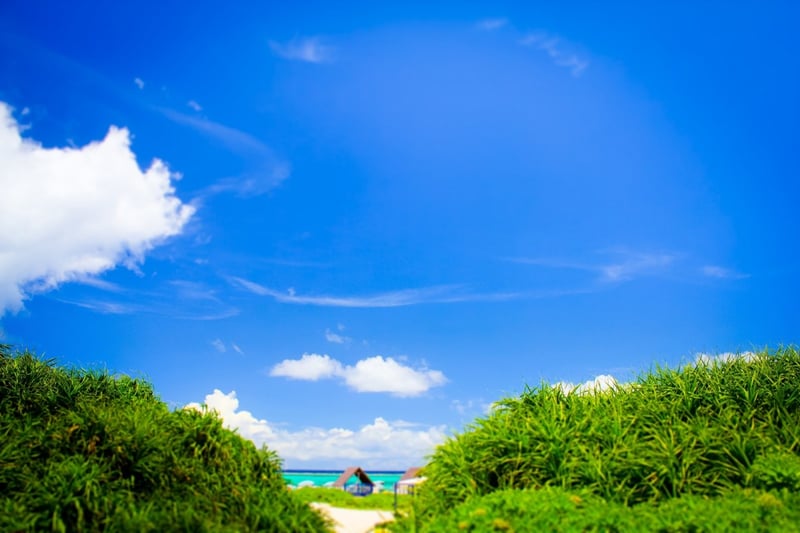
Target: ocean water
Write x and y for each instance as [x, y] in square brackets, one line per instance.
[320, 477]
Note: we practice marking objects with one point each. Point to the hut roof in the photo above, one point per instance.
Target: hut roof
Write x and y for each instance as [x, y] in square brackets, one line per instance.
[410, 473]
[349, 473]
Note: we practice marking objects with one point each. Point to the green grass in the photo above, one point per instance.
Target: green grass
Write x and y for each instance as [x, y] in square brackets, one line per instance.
[87, 451]
[700, 431]
[382, 501]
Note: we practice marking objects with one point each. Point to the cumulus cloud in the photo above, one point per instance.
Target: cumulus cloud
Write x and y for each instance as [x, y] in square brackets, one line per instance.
[373, 374]
[72, 213]
[309, 49]
[601, 383]
[310, 367]
[380, 444]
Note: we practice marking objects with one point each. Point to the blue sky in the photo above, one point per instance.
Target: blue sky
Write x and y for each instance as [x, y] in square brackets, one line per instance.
[350, 229]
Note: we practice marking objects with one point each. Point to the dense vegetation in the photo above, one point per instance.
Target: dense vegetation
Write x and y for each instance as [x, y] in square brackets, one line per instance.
[87, 451]
[709, 446]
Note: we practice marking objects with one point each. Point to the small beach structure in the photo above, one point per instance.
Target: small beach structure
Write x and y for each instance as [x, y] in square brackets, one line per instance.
[355, 481]
[407, 483]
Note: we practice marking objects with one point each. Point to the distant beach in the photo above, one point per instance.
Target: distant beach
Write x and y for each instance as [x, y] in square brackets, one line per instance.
[320, 477]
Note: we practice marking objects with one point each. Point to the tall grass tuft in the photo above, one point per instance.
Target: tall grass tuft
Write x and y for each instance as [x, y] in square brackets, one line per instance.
[87, 451]
[703, 429]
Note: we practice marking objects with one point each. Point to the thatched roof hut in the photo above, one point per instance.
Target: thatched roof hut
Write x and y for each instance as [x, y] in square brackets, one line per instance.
[410, 473]
[349, 473]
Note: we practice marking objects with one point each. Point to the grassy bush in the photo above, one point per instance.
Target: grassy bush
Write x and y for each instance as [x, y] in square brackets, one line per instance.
[554, 509]
[699, 430]
[87, 451]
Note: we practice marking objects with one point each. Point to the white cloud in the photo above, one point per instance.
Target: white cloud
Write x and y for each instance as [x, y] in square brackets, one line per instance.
[236, 348]
[376, 374]
[601, 383]
[335, 338]
[557, 51]
[219, 345]
[492, 24]
[309, 49]
[709, 359]
[719, 272]
[404, 297]
[139, 83]
[373, 374]
[72, 213]
[194, 105]
[310, 367]
[380, 444]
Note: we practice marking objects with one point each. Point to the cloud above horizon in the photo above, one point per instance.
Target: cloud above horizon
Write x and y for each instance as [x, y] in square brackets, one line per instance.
[373, 374]
[726, 357]
[380, 444]
[600, 383]
[71, 213]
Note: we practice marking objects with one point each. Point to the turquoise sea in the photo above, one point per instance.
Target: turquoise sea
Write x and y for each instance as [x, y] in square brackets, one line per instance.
[320, 477]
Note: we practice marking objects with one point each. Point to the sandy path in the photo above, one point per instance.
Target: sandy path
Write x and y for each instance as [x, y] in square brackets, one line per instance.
[354, 520]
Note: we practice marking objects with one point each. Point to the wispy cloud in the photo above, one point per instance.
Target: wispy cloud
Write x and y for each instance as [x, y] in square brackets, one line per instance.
[237, 140]
[194, 105]
[373, 374]
[714, 271]
[98, 283]
[180, 299]
[400, 298]
[308, 49]
[557, 50]
[139, 83]
[271, 170]
[627, 265]
[491, 24]
[219, 345]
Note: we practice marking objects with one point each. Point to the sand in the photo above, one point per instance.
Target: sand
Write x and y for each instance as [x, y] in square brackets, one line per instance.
[354, 520]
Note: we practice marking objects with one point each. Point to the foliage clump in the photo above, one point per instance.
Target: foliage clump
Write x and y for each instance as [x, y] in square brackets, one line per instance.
[88, 451]
[673, 439]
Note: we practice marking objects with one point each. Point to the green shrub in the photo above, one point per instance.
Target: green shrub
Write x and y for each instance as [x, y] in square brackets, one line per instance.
[702, 429]
[555, 509]
[86, 451]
